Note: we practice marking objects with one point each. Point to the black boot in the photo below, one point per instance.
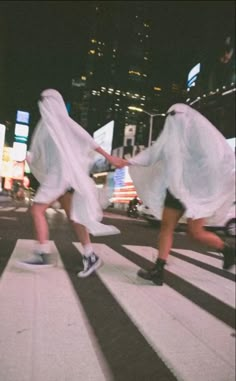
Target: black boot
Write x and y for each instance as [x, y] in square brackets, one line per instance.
[229, 257]
[155, 274]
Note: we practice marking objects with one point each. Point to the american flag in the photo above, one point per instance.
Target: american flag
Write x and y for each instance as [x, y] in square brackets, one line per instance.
[124, 189]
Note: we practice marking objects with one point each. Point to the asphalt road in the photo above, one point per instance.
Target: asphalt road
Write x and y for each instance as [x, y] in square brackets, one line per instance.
[113, 325]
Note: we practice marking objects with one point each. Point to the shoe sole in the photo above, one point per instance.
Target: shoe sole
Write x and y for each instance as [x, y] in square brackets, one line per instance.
[32, 266]
[96, 266]
[144, 276]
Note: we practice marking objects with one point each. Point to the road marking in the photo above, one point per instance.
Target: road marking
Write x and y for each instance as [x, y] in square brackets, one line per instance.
[8, 218]
[216, 262]
[177, 329]
[215, 285]
[115, 216]
[43, 325]
[21, 210]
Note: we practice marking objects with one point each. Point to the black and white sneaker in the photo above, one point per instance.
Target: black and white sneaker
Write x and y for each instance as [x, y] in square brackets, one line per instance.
[38, 261]
[91, 264]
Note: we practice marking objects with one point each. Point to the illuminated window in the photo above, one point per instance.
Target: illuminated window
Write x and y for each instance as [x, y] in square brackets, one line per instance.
[134, 72]
[92, 52]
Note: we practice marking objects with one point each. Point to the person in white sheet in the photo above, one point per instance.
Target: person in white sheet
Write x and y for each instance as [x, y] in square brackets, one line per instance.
[190, 170]
[60, 158]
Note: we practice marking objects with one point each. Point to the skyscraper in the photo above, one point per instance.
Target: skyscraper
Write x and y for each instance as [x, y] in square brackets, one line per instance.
[117, 70]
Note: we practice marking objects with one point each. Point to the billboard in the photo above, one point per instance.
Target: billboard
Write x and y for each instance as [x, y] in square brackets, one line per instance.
[124, 189]
[193, 75]
[103, 137]
[11, 168]
[232, 143]
[7, 162]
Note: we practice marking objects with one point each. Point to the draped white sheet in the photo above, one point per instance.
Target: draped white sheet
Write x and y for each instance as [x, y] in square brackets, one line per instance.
[193, 160]
[60, 144]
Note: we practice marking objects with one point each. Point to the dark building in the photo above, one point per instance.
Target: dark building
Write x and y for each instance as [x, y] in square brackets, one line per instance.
[212, 89]
[118, 71]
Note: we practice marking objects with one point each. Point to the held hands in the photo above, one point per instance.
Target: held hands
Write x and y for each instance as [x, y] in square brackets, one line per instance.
[118, 162]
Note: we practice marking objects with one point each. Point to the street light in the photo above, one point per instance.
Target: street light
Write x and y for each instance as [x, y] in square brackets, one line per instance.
[151, 120]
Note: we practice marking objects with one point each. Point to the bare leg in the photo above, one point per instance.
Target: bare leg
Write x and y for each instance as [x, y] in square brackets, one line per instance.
[41, 257]
[170, 218]
[198, 232]
[40, 222]
[80, 230]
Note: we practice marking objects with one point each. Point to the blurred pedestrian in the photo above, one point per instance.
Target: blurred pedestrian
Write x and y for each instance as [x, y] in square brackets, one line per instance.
[60, 158]
[190, 170]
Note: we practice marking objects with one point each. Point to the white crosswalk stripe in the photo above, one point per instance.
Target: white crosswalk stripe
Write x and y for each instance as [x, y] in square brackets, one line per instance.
[178, 321]
[21, 210]
[216, 262]
[14, 209]
[41, 313]
[7, 209]
[51, 329]
[213, 284]
[25, 209]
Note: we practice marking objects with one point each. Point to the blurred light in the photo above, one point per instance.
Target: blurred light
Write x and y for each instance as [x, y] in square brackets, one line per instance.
[228, 92]
[135, 108]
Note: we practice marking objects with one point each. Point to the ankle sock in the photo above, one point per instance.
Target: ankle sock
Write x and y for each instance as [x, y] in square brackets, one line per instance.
[42, 248]
[88, 250]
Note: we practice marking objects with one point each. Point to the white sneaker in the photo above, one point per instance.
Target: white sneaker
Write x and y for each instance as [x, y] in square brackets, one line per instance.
[38, 261]
[91, 264]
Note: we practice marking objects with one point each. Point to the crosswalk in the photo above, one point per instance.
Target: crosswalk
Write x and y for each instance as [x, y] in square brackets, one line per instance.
[24, 209]
[13, 209]
[114, 325]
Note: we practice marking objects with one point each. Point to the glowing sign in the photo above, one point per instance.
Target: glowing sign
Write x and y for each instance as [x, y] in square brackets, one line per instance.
[103, 137]
[19, 151]
[22, 130]
[232, 143]
[22, 116]
[193, 74]
[7, 162]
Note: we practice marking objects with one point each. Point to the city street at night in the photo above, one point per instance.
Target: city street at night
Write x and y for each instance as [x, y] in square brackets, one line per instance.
[124, 113]
[112, 325]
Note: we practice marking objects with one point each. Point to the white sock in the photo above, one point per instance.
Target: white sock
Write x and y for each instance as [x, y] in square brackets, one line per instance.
[42, 248]
[88, 250]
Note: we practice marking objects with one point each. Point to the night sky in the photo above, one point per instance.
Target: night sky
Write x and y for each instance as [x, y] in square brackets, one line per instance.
[45, 42]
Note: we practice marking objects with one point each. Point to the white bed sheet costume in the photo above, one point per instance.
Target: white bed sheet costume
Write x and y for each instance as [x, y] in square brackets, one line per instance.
[193, 160]
[61, 156]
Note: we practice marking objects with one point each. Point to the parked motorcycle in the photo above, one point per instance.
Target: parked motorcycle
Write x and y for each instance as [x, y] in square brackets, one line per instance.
[132, 211]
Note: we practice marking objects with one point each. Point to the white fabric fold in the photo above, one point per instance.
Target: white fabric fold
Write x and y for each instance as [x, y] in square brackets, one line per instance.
[193, 160]
[60, 145]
